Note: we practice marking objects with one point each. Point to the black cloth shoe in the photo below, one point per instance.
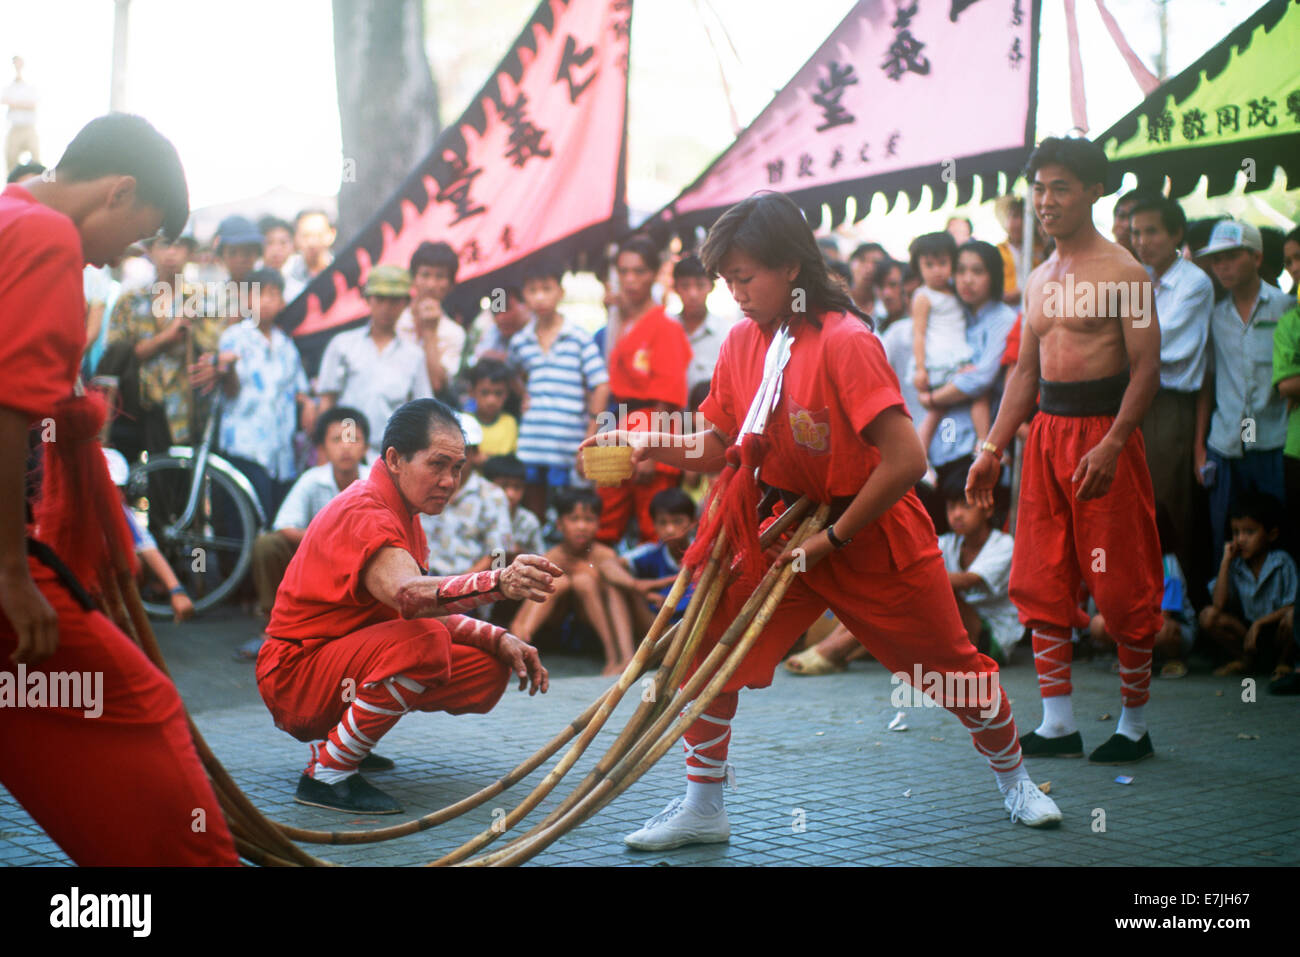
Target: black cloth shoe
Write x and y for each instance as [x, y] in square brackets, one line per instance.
[1035, 745]
[375, 762]
[1122, 750]
[353, 794]
[1287, 684]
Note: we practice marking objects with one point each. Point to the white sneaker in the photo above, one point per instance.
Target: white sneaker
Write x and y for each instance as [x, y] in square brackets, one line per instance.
[677, 825]
[1031, 807]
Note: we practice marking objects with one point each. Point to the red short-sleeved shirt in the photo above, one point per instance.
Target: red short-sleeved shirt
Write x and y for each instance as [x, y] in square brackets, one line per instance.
[42, 307]
[322, 595]
[649, 360]
[836, 382]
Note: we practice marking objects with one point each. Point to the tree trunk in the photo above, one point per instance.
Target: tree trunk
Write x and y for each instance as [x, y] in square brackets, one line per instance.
[388, 102]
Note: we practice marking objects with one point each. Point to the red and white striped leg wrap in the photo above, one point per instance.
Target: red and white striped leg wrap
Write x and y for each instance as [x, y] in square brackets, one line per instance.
[474, 632]
[707, 740]
[372, 713]
[994, 735]
[1052, 656]
[1134, 673]
[463, 592]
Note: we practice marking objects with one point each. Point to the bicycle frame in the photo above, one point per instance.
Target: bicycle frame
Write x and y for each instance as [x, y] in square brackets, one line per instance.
[204, 458]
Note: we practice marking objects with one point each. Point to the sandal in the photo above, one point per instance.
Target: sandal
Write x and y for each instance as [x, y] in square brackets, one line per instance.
[1231, 668]
[811, 663]
[1174, 669]
[1281, 671]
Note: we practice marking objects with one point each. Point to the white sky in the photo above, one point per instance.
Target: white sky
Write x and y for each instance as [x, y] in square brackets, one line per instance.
[246, 91]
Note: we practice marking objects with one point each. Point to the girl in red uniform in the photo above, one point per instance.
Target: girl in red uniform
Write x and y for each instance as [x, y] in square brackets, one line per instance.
[838, 433]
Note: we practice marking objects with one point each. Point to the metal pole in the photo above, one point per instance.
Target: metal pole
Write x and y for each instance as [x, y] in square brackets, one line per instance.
[117, 92]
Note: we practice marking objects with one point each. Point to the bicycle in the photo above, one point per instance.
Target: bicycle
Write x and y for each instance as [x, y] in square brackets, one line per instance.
[203, 513]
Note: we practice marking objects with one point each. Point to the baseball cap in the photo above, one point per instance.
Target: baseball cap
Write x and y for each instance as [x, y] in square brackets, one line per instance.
[388, 281]
[473, 431]
[1232, 234]
[238, 231]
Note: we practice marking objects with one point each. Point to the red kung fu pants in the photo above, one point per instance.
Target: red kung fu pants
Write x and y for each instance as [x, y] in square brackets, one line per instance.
[125, 788]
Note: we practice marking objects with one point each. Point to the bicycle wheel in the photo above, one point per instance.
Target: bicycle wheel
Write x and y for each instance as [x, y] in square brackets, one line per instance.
[212, 554]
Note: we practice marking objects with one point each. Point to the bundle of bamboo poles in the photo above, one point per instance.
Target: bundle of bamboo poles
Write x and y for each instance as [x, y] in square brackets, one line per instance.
[649, 734]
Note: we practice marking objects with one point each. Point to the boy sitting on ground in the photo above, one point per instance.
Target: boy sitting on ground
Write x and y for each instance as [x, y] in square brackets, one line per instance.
[656, 564]
[1252, 612]
[592, 573]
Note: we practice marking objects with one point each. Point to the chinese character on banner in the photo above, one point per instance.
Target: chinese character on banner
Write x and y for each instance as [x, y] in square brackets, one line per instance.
[1229, 117]
[775, 170]
[891, 144]
[828, 94]
[525, 138]
[1159, 126]
[507, 238]
[570, 58]
[1194, 124]
[469, 253]
[621, 24]
[905, 52]
[862, 153]
[457, 191]
[836, 158]
[1293, 104]
[805, 165]
[1017, 14]
[1261, 111]
[1014, 56]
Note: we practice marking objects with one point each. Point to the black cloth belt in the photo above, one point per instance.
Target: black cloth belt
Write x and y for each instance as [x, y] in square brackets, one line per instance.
[1087, 397]
[47, 557]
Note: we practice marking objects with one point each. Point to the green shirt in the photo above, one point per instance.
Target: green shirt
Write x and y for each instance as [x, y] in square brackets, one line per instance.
[1286, 363]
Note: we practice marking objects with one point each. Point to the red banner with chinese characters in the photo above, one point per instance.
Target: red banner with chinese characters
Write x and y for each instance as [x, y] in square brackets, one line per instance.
[903, 94]
[533, 169]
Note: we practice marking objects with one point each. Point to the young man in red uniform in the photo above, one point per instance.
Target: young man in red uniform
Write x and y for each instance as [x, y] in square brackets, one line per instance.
[1092, 359]
[124, 787]
[353, 644]
[647, 380]
[839, 434]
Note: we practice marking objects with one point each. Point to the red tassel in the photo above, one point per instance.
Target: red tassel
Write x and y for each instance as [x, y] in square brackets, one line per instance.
[737, 512]
[79, 510]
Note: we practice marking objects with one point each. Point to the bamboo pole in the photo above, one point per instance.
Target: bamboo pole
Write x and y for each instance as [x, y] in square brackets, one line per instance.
[644, 756]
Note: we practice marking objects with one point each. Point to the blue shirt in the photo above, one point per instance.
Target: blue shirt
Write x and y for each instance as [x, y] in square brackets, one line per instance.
[1244, 397]
[1274, 588]
[259, 423]
[986, 332]
[558, 383]
[653, 560]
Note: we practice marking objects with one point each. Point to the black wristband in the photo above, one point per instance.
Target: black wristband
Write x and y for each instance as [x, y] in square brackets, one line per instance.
[836, 541]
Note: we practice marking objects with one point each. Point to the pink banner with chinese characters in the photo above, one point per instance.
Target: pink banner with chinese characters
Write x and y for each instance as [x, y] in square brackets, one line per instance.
[534, 168]
[903, 94]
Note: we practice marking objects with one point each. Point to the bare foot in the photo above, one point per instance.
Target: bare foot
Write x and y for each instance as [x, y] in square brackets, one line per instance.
[613, 669]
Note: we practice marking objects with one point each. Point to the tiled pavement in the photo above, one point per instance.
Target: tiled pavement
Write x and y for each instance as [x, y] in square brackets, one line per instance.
[821, 780]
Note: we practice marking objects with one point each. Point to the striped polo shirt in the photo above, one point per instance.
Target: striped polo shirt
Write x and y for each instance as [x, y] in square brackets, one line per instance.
[558, 383]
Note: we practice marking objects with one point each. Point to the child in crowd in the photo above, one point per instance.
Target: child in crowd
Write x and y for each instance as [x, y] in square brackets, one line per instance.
[978, 559]
[567, 388]
[489, 387]
[473, 528]
[430, 321]
[1178, 634]
[145, 546]
[656, 564]
[1252, 611]
[590, 572]
[492, 332]
[939, 346]
[510, 475]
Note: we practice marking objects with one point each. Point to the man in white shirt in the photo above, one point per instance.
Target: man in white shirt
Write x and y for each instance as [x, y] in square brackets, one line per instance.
[705, 330]
[425, 323]
[1184, 299]
[313, 235]
[20, 98]
[341, 437]
[371, 368]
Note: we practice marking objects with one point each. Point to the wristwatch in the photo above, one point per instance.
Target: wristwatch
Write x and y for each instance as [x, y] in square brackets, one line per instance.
[992, 449]
[836, 542]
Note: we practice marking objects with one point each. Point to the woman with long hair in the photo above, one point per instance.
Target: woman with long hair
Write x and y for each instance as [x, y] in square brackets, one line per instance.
[837, 433]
